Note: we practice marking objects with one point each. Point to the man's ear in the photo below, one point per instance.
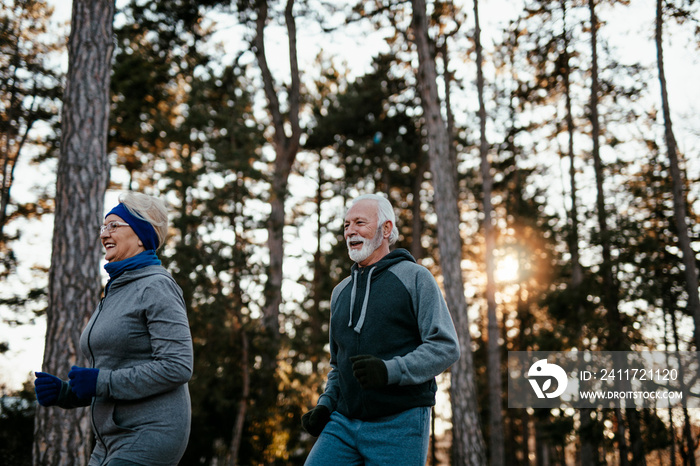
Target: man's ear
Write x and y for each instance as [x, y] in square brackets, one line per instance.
[386, 228]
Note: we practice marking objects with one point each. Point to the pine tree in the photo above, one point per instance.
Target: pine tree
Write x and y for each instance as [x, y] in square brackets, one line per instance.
[467, 445]
[63, 437]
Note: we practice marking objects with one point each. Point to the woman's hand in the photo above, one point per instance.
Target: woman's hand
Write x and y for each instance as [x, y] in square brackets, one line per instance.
[47, 388]
[83, 381]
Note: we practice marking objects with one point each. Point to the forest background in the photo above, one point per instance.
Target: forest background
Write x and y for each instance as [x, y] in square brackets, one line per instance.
[530, 157]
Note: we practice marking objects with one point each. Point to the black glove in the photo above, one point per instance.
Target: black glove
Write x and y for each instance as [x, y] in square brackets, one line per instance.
[47, 388]
[315, 420]
[369, 371]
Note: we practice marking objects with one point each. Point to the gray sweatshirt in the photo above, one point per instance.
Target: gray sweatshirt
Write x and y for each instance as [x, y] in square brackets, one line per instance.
[139, 339]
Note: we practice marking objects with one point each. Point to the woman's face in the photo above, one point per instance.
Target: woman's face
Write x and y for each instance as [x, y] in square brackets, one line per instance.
[121, 242]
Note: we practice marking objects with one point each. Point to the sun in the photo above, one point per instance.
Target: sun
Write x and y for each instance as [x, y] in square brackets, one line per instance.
[507, 269]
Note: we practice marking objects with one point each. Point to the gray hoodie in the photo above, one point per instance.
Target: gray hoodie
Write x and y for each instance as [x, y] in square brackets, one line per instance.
[393, 310]
[139, 339]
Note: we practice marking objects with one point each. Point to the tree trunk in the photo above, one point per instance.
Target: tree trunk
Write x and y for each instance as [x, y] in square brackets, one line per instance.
[63, 437]
[678, 183]
[417, 249]
[286, 148]
[496, 439]
[610, 298]
[617, 340]
[27, 92]
[239, 423]
[589, 447]
[669, 309]
[10, 158]
[468, 445]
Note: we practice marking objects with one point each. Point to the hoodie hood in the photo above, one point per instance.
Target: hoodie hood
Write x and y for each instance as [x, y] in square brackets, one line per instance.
[372, 271]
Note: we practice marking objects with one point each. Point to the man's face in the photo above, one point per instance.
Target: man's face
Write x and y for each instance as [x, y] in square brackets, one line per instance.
[362, 233]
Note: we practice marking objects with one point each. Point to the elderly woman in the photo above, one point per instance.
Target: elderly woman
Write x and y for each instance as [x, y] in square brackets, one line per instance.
[139, 347]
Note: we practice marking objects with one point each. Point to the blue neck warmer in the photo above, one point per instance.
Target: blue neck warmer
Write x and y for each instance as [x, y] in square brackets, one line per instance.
[144, 259]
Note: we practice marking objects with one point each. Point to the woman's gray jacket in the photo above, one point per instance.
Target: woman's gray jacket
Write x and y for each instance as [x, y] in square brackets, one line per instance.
[139, 338]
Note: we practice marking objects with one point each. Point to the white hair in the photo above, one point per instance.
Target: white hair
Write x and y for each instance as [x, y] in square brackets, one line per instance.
[385, 212]
[150, 209]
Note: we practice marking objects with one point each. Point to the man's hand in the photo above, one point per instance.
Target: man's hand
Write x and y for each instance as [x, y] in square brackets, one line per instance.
[315, 420]
[369, 371]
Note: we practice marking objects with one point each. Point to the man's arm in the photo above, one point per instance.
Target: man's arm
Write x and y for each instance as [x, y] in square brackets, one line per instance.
[331, 394]
[440, 347]
[329, 398]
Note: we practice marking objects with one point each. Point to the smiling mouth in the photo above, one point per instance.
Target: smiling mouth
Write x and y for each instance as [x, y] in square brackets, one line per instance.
[355, 243]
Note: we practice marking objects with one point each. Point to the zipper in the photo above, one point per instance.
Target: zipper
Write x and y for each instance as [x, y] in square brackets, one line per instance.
[92, 363]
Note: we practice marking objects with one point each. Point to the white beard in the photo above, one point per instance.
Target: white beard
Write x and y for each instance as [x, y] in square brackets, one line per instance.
[368, 246]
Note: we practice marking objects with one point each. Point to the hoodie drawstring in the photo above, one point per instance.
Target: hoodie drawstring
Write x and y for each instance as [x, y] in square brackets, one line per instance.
[363, 312]
[352, 295]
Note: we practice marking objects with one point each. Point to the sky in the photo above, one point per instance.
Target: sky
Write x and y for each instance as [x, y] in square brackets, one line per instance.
[631, 31]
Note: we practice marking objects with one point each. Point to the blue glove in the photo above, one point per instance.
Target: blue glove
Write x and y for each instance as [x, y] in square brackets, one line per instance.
[83, 381]
[47, 388]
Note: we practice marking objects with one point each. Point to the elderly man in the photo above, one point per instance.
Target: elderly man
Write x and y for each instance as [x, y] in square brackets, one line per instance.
[390, 335]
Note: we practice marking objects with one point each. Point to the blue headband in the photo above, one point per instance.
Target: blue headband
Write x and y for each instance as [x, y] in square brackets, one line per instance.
[143, 229]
